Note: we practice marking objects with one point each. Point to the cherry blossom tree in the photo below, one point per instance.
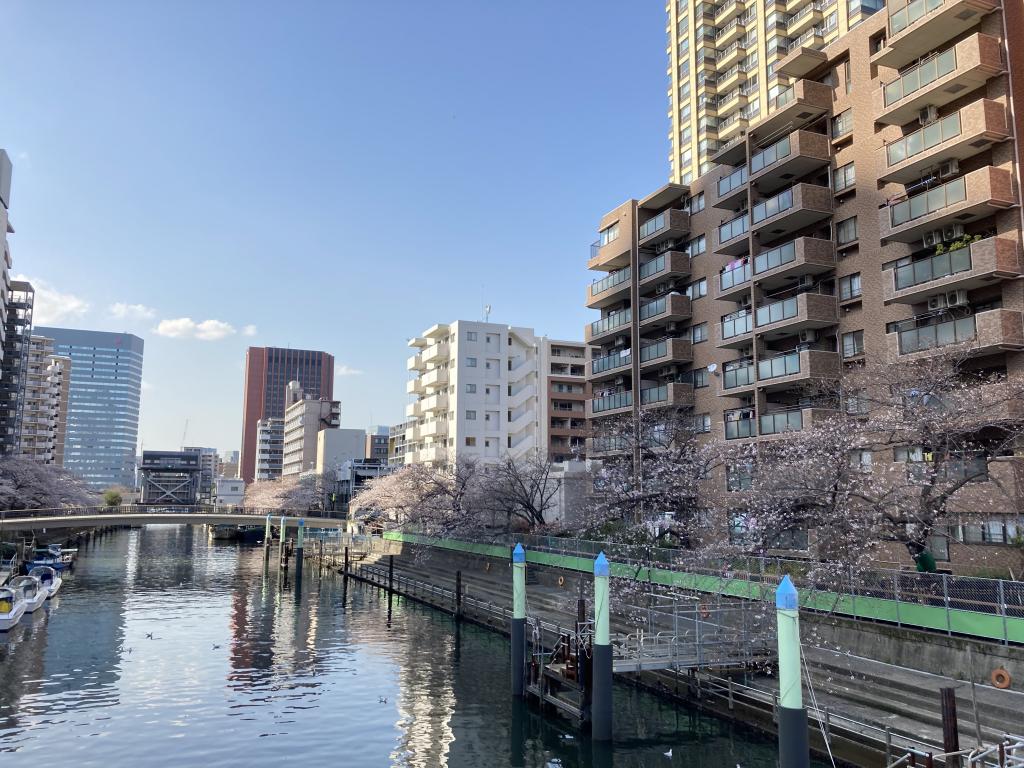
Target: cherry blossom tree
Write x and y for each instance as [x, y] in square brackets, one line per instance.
[28, 484]
[295, 492]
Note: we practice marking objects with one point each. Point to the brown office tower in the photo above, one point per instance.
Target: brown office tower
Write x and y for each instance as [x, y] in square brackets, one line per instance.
[869, 210]
[267, 373]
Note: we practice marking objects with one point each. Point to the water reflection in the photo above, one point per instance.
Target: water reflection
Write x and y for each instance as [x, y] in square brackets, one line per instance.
[165, 648]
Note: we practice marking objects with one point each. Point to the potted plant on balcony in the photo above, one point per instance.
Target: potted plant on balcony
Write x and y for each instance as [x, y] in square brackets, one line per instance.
[961, 242]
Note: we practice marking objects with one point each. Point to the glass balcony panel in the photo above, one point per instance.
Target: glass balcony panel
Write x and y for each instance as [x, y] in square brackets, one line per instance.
[776, 257]
[736, 325]
[770, 155]
[615, 278]
[777, 311]
[737, 375]
[737, 275]
[652, 267]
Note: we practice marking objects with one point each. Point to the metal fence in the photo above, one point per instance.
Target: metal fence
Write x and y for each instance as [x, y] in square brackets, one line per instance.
[166, 509]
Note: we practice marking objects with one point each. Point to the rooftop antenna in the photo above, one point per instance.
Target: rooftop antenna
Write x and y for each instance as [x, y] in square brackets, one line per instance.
[487, 313]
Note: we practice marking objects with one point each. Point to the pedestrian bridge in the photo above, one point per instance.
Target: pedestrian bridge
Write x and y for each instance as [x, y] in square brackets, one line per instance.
[95, 517]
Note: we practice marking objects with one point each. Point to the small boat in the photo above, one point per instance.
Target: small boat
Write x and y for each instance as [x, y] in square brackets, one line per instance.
[54, 556]
[31, 590]
[49, 578]
[12, 606]
[224, 532]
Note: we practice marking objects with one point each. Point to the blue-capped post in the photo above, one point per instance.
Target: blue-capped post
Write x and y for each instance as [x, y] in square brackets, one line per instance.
[283, 530]
[794, 749]
[518, 629]
[601, 705]
[300, 543]
[267, 534]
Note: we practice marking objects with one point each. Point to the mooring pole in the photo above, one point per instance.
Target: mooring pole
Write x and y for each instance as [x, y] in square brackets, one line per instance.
[280, 541]
[517, 631]
[300, 542]
[601, 703]
[345, 570]
[950, 728]
[794, 748]
[458, 595]
[582, 659]
[266, 539]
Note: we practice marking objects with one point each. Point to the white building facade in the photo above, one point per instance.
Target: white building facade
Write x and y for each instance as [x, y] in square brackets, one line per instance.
[47, 382]
[269, 448]
[304, 419]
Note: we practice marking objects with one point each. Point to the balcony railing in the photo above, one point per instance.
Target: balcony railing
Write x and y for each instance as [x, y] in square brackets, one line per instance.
[734, 276]
[780, 365]
[611, 402]
[936, 335]
[930, 136]
[772, 206]
[776, 257]
[928, 202]
[614, 320]
[615, 278]
[648, 228]
[734, 228]
[739, 426]
[783, 98]
[736, 324]
[911, 12]
[769, 155]
[610, 363]
[776, 423]
[652, 267]
[935, 267]
[777, 311]
[652, 308]
[928, 71]
[654, 395]
[736, 374]
[653, 351]
[734, 180]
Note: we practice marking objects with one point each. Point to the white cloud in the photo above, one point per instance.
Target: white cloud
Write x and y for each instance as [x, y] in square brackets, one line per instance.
[344, 370]
[52, 307]
[187, 328]
[122, 311]
[249, 330]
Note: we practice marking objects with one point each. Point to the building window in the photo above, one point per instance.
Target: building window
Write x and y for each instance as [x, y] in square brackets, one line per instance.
[702, 423]
[697, 246]
[697, 203]
[842, 124]
[844, 178]
[739, 477]
[608, 234]
[853, 344]
[471, 389]
[471, 362]
[470, 442]
[700, 378]
[861, 460]
[855, 403]
[470, 335]
[849, 287]
[470, 415]
[846, 231]
[699, 333]
[697, 289]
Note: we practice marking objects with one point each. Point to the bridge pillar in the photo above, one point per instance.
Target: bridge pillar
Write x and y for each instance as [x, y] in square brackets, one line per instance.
[517, 631]
[601, 703]
[794, 749]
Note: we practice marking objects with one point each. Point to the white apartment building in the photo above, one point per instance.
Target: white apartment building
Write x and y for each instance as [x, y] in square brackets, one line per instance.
[6, 171]
[304, 418]
[481, 392]
[269, 445]
[44, 418]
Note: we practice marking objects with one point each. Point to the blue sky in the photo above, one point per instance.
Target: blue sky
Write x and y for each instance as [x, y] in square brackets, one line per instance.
[335, 176]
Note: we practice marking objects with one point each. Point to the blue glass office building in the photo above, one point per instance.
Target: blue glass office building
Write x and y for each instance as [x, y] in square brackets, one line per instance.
[103, 405]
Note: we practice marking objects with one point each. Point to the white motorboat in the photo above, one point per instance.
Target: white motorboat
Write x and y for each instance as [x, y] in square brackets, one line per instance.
[31, 590]
[12, 606]
[49, 578]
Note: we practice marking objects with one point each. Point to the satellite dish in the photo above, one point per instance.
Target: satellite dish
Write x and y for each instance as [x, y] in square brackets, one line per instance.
[713, 367]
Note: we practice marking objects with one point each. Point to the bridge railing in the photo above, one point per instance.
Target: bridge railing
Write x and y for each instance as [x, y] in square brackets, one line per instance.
[165, 509]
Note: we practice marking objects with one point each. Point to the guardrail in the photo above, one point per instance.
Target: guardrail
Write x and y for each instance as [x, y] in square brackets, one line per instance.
[164, 509]
[992, 609]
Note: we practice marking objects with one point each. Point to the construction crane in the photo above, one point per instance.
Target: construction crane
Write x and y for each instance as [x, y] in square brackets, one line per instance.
[184, 434]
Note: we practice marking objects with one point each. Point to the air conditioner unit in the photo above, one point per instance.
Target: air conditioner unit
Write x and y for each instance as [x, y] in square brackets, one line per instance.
[937, 302]
[949, 168]
[745, 301]
[661, 287]
[928, 115]
[953, 231]
[808, 336]
[932, 238]
[957, 298]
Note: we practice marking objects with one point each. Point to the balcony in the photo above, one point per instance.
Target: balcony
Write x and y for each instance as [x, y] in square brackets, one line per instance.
[665, 352]
[414, 410]
[609, 290]
[610, 404]
[731, 54]
[782, 265]
[731, 79]
[672, 394]
[984, 333]
[436, 428]
[435, 353]
[667, 309]
[731, 32]
[796, 106]
[738, 378]
[920, 26]
[740, 423]
[805, 19]
[735, 329]
[733, 281]
[790, 211]
[432, 454]
[665, 265]
[728, 11]
[672, 224]
[610, 366]
[609, 326]
[792, 157]
[612, 250]
[803, 56]
[414, 363]
[939, 79]
[732, 237]
[435, 378]
[972, 266]
[434, 403]
[958, 136]
[975, 196]
[792, 420]
[732, 189]
[414, 386]
[797, 313]
[731, 152]
[797, 367]
[732, 126]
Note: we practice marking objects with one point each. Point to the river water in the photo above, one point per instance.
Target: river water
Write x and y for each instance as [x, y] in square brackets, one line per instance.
[166, 649]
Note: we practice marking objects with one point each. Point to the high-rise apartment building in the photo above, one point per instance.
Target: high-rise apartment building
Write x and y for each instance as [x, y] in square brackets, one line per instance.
[46, 392]
[267, 373]
[269, 448]
[487, 391]
[208, 472]
[14, 366]
[304, 418]
[724, 62]
[103, 403]
[869, 210]
[397, 443]
[377, 444]
[6, 171]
